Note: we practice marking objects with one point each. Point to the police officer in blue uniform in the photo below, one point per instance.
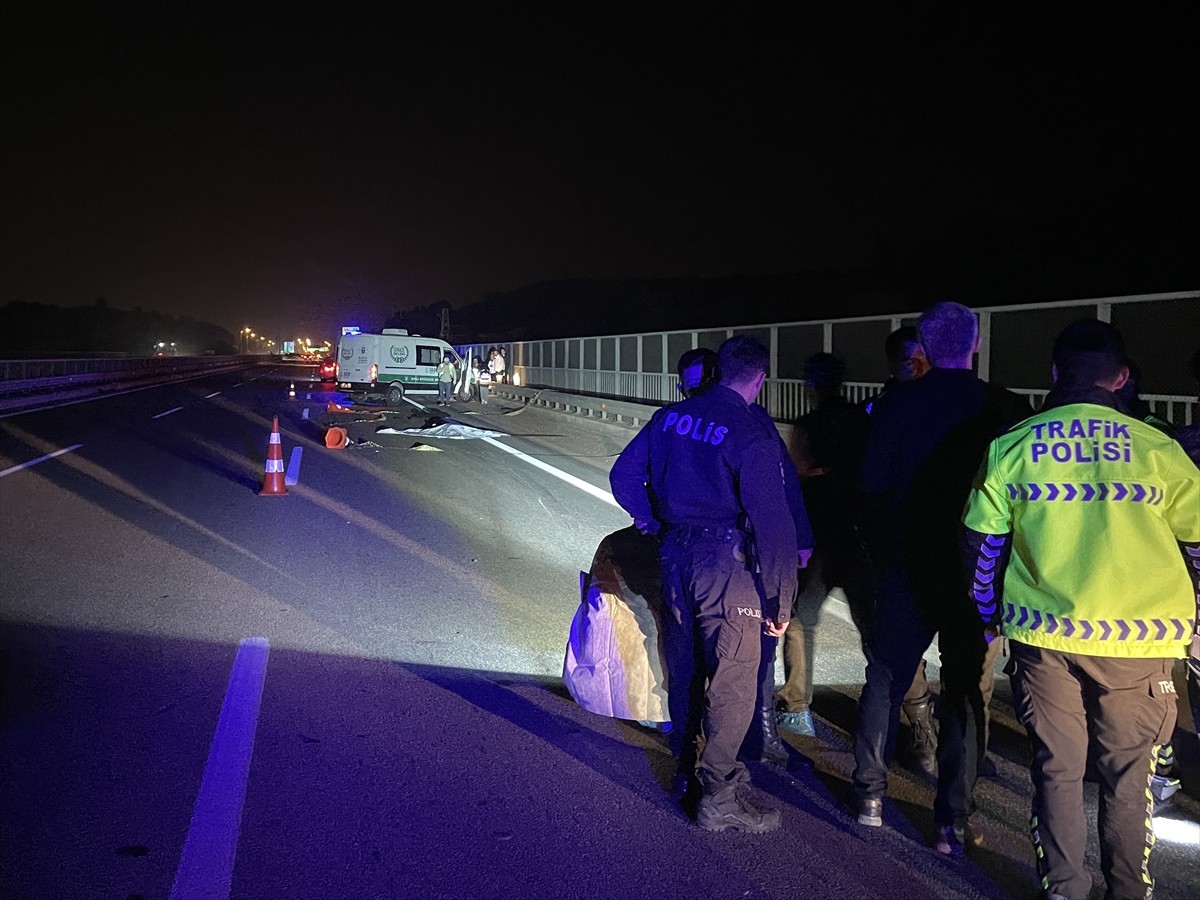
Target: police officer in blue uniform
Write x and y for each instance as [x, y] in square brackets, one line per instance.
[697, 370]
[706, 475]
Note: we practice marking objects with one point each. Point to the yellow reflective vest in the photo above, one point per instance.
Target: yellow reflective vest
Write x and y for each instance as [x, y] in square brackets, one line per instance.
[1096, 503]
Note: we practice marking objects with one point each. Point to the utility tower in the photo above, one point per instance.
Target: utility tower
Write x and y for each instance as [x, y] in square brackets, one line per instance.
[446, 334]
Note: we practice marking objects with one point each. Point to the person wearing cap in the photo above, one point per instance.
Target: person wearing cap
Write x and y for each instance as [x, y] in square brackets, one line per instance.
[1074, 532]
[706, 474]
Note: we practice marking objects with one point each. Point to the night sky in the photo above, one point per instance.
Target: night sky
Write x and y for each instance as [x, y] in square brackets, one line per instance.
[300, 166]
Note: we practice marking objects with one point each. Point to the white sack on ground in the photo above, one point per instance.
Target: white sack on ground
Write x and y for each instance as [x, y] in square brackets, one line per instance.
[614, 659]
[450, 430]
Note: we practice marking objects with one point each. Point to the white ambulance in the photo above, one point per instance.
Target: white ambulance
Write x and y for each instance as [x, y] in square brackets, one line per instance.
[393, 364]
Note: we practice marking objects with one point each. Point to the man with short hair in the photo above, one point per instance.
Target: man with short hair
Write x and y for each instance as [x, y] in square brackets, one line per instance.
[828, 442]
[697, 370]
[905, 356]
[446, 375]
[1075, 526]
[906, 361]
[707, 475]
[926, 440]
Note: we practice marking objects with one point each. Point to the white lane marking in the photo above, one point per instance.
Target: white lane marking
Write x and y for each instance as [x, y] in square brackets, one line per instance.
[308, 396]
[206, 865]
[584, 486]
[570, 479]
[304, 413]
[167, 413]
[293, 469]
[34, 462]
[415, 403]
[213, 394]
[239, 384]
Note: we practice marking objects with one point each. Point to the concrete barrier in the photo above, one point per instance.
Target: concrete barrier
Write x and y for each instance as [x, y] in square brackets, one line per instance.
[622, 412]
[615, 412]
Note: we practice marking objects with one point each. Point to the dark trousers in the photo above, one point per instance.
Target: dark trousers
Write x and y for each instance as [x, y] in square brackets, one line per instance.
[711, 639]
[800, 638]
[1061, 698]
[901, 639]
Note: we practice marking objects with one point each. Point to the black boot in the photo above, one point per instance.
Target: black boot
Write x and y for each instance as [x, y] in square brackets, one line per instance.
[762, 743]
[729, 807]
[774, 750]
[922, 752]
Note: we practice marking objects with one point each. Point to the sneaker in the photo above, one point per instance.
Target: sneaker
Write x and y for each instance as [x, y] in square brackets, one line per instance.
[870, 812]
[1162, 789]
[732, 810]
[949, 841]
[800, 723]
[953, 841]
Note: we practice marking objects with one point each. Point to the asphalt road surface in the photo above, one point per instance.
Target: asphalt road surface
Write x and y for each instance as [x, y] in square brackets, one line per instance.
[353, 690]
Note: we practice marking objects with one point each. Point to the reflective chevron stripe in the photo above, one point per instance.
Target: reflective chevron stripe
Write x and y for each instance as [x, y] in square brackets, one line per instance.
[1085, 492]
[1031, 619]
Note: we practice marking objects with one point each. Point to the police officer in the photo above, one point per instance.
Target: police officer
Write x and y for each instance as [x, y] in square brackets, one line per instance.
[1096, 602]
[706, 474]
[697, 371]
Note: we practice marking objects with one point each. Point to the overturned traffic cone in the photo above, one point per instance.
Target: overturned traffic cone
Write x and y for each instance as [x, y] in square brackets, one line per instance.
[273, 467]
[338, 408]
[337, 438]
[292, 391]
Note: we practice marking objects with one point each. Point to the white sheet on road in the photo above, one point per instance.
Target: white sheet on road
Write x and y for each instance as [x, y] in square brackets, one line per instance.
[450, 430]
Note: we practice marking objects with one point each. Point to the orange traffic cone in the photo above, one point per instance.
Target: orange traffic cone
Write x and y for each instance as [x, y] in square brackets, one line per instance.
[337, 438]
[292, 391]
[337, 408]
[273, 467]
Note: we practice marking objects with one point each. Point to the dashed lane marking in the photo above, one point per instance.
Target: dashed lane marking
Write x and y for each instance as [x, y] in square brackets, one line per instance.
[206, 865]
[210, 396]
[167, 413]
[34, 462]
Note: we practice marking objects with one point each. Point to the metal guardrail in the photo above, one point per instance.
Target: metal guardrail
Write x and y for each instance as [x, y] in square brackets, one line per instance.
[29, 382]
[15, 371]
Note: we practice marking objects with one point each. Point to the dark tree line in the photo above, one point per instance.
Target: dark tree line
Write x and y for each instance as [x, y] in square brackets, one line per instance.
[34, 330]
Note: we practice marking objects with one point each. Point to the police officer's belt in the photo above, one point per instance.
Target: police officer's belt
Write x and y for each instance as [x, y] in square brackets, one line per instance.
[713, 532]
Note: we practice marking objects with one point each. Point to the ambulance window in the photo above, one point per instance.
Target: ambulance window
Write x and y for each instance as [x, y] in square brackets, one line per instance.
[428, 356]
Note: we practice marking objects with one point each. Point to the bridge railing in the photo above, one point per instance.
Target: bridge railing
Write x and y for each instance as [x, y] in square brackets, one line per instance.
[1015, 343]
